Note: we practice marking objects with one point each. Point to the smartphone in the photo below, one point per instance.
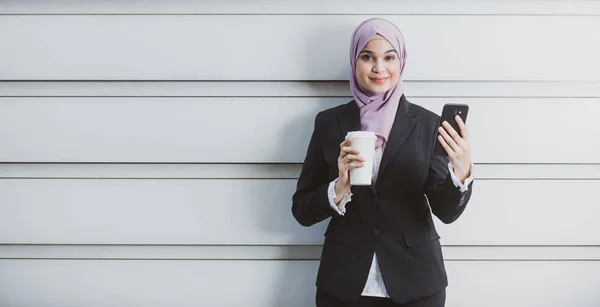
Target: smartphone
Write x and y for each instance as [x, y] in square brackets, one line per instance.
[449, 112]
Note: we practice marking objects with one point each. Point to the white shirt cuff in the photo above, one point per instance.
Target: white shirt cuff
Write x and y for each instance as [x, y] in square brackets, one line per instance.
[462, 186]
[341, 207]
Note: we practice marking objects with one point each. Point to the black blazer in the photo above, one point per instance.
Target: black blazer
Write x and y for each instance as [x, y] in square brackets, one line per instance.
[392, 217]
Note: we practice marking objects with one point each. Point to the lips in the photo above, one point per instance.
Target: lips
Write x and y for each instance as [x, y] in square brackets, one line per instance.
[379, 80]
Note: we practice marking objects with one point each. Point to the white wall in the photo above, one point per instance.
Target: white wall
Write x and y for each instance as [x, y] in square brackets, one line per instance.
[150, 150]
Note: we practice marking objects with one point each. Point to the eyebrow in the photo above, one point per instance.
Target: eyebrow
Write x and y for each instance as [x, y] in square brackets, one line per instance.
[371, 52]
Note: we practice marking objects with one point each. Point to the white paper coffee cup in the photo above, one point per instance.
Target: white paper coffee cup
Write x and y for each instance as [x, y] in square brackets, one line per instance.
[364, 141]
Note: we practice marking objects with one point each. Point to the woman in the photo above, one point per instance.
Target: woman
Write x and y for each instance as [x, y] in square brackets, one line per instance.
[381, 247]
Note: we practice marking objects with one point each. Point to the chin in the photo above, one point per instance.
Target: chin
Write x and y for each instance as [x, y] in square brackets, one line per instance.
[379, 89]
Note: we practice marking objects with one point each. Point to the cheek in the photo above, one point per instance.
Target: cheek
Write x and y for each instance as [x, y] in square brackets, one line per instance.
[362, 71]
[394, 71]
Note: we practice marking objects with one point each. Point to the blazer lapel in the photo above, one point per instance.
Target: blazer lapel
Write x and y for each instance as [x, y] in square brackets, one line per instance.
[349, 120]
[403, 126]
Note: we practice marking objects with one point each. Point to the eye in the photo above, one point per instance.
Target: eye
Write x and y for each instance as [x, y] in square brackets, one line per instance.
[390, 58]
[367, 57]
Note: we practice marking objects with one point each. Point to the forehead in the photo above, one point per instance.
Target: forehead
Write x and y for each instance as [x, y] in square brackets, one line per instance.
[378, 43]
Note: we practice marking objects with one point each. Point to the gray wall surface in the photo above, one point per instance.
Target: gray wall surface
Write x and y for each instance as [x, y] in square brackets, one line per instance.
[150, 150]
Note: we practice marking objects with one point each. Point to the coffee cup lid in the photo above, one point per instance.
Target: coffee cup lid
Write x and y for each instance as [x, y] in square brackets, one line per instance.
[361, 134]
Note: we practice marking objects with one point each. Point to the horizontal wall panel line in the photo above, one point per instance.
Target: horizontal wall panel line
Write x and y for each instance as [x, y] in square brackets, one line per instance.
[216, 245]
[349, 97]
[315, 259]
[310, 14]
[288, 89]
[282, 252]
[471, 7]
[275, 245]
[175, 178]
[264, 171]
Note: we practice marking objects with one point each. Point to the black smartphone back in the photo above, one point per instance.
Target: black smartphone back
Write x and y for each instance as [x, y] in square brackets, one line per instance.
[449, 111]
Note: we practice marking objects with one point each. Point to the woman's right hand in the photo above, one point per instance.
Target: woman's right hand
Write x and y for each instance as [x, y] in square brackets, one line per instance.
[349, 158]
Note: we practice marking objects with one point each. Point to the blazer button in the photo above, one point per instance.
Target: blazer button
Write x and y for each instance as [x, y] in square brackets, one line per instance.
[376, 232]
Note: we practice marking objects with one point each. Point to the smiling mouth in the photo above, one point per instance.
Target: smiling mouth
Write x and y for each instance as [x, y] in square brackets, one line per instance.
[379, 80]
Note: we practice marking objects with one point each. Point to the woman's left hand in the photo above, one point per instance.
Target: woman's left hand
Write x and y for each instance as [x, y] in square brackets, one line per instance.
[457, 147]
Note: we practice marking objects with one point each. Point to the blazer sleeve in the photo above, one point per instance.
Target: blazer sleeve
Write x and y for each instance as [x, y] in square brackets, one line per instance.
[445, 198]
[310, 203]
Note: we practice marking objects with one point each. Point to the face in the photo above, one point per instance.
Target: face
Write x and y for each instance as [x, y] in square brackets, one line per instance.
[378, 66]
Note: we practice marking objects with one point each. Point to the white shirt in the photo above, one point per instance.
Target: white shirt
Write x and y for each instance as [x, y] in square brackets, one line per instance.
[375, 286]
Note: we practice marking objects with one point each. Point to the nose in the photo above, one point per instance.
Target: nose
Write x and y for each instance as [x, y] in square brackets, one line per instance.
[378, 67]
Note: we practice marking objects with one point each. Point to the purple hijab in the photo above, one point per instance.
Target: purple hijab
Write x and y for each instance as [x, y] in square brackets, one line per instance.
[377, 111]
